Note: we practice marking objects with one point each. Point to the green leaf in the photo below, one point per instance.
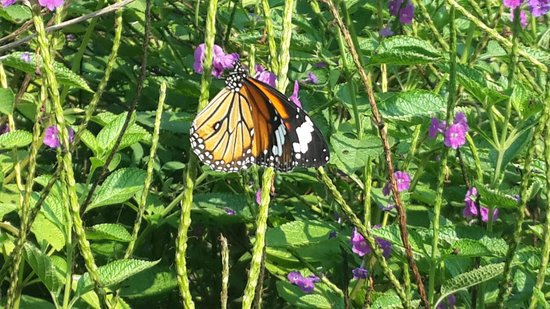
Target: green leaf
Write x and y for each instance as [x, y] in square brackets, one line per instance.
[405, 50]
[495, 198]
[107, 137]
[45, 230]
[109, 231]
[119, 187]
[467, 248]
[14, 139]
[151, 282]
[411, 107]
[541, 299]
[113, 273]
[539, 54]
[29, 302]
[7, 99]
[298, 233]
[42, 265]
[90, 141]
[16, 13]
[471, 278]
[478, 85]
[352, 153]
[63, 74]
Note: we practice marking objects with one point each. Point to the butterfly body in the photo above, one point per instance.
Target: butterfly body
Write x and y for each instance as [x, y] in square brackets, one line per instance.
[249, 122]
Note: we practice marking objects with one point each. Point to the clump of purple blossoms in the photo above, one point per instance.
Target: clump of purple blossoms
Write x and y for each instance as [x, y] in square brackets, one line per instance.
[539, 7]
[385, 32]
[51, 136]
[312, 78]
[264, 75]
[306, 284]
[51, 4]
[220, 61]
[7, 2]
[405, 14]
[447, 303]
[403, 180]
[360, 246]
[471, 208]
[455, 134]
[360, 273]
[294, 97]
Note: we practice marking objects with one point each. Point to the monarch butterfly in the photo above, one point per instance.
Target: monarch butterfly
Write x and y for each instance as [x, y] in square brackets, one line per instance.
[250, 122]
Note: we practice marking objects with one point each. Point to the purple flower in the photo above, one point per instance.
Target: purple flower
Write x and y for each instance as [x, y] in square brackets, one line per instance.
[26, 57]
[312, 78]
[220, 61]
[403, 180]
[406, 14]
[539, 7]
[485, 214]
[259, 196]
[294, 97]
[229, 211]
[7, 2]
[385, 32]
[321, 65]
[360, 247]
[4, 128]
[511, 4]
[461, 119]
[455, 136]
[51, 136]
[265, 76]
[306, 284]
[517, 197]
[394, 6]
[471, 209]
[522, 18]
[436, 127]
[389, 207]
[360, 273]
[332, 234]
[51, 4]
[448, 303]
[70, 37]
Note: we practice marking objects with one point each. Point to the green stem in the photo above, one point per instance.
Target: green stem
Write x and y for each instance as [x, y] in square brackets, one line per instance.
[270, 35]
[66, 157]
[191, 170]
[545, 254]
[15, 283]
[434, 259]
[225, 271]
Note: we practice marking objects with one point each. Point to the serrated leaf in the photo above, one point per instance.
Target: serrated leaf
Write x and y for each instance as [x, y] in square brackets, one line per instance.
[495, 198]
[151, 282]
[119, 187]
[388, 299]
[411, 107]
[17, 138]
[16, 13]
[298, 233]
[90, 141]
[7, 99]
[109, 231]
[477, 85]
[63, 74]
[44, 268]
[353, 154]
[539, 54]
[107, 137]
[471, 278]
[113, 273]
[468, 248]
[45, 230]
[405, 50]
[541, 299]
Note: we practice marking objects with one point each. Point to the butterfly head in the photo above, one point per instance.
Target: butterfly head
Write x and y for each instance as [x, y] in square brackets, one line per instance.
[234, 80]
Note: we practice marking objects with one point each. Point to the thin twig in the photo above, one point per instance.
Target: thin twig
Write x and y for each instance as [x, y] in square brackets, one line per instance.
[106, 10]
[379, 122]
[131, 109]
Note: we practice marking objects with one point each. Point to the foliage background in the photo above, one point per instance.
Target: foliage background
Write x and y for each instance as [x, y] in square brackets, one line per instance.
[499, 82]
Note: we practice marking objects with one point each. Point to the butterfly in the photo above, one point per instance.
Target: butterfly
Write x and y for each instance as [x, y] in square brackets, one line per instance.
[249, 122]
